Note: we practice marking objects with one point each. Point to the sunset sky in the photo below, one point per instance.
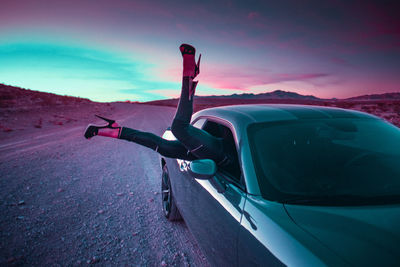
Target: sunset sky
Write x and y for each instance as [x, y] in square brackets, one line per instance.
[128, 50]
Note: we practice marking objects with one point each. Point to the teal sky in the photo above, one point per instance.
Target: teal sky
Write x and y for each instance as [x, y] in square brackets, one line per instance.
[79, 71]
[128, 49]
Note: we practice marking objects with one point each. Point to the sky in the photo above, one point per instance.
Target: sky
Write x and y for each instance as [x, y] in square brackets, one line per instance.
[128, 50]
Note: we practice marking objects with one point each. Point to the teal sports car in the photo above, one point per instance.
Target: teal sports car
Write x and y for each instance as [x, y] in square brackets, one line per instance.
[314, 186]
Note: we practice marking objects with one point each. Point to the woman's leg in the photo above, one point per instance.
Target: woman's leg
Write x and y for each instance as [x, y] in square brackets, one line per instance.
[167, 148]
[197, 141]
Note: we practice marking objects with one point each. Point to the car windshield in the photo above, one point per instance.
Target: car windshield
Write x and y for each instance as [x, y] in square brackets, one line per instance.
[328, 161]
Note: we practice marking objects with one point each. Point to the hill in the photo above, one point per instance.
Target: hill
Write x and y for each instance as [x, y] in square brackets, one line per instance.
[386, 106]
[277, 94]
[385, 96]
[23, 109]
[19, 99]
[38, 108]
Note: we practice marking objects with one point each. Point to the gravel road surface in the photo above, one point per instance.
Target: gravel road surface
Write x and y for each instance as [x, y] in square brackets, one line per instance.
[68, 201]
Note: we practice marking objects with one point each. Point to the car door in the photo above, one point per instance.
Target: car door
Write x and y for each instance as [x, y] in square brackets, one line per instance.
[212, 210]
[178, 178]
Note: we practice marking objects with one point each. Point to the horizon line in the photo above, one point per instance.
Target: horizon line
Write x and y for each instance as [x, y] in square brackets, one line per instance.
[222, 95]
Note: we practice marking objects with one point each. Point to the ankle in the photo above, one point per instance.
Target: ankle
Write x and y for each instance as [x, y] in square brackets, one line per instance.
[113, 133]
[189, 65]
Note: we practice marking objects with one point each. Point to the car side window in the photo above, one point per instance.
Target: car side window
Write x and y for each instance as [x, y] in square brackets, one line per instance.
[199, 123]
[221, 131]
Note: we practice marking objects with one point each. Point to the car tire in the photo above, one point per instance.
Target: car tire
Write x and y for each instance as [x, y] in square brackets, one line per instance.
[170, 209]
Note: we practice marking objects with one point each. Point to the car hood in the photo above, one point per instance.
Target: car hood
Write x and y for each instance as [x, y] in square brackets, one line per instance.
[361, 236]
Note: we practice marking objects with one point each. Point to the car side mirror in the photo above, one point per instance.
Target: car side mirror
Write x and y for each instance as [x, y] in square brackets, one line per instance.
[203, 169]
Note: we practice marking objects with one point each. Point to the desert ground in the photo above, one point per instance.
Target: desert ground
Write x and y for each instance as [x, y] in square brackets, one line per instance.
[68, 201]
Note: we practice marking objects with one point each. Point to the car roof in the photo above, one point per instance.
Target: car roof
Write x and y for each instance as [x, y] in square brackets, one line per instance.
[278, 112]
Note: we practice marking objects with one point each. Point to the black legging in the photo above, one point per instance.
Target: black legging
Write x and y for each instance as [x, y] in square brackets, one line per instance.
[193, 143]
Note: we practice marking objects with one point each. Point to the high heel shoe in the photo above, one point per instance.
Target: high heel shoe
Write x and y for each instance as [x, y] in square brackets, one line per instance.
[197, 67]
[190, 67]
[112, 129]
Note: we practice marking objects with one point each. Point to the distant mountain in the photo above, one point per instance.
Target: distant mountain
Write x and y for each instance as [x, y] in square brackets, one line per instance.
[12, 97]
[385, 96]
[278, 94]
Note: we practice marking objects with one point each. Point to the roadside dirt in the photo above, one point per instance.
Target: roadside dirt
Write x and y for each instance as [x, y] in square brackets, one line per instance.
[68, 201]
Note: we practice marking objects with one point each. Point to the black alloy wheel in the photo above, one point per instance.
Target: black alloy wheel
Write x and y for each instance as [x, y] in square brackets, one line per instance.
[170, 209]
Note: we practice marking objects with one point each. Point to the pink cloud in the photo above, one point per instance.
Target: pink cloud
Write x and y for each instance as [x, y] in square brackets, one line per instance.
[183, 28]
[253, 15]
[224, 77]
[340, 61]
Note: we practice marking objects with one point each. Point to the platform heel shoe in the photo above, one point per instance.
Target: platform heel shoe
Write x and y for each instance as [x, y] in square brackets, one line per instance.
[112, 129]
[190, 67]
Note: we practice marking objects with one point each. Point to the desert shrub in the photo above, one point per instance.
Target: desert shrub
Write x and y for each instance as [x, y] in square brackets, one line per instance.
[38, 124]
[396, 107]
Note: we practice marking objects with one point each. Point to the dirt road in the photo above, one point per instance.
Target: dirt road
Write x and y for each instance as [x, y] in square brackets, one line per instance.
[68, 201]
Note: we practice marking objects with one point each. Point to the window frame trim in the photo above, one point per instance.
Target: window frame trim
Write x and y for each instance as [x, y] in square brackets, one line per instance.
[241, 183]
